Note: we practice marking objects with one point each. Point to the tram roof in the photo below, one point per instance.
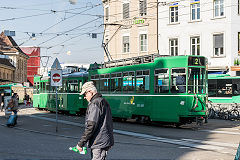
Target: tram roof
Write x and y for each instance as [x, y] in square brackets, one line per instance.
[222, 76]
[159, 61]
[76, 74]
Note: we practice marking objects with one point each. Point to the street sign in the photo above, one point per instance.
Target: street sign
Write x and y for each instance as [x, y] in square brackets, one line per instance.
[56, 65]
[56, 78]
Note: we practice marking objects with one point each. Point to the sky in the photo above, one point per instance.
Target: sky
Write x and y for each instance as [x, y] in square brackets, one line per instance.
[61, 29]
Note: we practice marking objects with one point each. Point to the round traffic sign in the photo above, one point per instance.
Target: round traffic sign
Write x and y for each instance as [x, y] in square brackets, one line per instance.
[56, 78]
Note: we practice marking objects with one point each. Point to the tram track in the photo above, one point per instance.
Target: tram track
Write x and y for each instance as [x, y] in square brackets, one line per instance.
[220, 147]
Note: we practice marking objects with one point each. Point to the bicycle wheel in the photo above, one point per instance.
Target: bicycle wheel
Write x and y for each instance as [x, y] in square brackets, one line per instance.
[234, 114]
[211, 113]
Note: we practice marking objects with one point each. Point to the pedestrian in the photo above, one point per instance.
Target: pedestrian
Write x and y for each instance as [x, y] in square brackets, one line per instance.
[98, 132]
[16, 99]
[13, 104]
[26, 100]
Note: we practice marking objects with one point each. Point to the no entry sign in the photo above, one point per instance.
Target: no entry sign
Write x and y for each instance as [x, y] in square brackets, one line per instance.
[56, 77]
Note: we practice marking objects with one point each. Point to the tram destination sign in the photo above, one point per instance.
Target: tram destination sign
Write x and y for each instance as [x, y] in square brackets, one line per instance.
[196, 61]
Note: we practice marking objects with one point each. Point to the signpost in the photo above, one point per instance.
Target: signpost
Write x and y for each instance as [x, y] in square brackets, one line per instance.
[56, 80]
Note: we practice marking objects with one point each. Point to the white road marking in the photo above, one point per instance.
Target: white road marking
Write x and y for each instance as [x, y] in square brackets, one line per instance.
[225, 148]
[222, 132]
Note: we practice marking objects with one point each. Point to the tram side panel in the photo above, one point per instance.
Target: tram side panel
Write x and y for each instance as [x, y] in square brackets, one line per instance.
[36, 100]
[165, 108]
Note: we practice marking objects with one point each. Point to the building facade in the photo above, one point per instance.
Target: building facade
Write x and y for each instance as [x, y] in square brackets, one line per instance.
[6, 70]
[17, 57]
[33, 63]
[209, 28]
[130, 28]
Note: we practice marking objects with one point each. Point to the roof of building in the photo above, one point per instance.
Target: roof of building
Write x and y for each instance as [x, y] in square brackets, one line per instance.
[4, 61]
[7, 44]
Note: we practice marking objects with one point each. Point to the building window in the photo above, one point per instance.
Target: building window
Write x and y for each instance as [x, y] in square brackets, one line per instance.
[173, 47]
[218, 8]
[125, 10]
[218, 45]
[106, 13]
[143, 42]
[143, 7]
[173, 14]
[195, 11]
[238, 6]
[126, 45]
[195, 45]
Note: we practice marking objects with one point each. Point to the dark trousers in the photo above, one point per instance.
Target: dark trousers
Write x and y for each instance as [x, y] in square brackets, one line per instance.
[99, 153]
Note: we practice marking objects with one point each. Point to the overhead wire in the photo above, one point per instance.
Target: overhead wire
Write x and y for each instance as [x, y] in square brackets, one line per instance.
[68, 31]
[73, 37]
[9, 19]
[69, 18]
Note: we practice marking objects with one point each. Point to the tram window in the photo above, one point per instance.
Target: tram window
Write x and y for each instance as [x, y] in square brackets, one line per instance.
[212, 87]
[104, 86]
[43, 86]
[236, 87]
[128, 82]
[224, 88]
[80, 86]
[178, 80]
[161, 81]
[64, 86]
[116, 82]
[73, 86]
[36, 88]
[196, 81]
[95, 79]
[47, 87]
[142, 81]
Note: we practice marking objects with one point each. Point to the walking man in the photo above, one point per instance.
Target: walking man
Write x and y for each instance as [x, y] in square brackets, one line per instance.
[98, 132]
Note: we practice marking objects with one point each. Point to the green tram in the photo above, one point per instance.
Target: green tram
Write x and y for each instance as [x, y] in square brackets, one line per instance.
[160, 89]
[223, 88]
[69, 100]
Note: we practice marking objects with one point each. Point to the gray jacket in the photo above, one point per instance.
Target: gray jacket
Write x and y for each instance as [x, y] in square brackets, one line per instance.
[99, 127]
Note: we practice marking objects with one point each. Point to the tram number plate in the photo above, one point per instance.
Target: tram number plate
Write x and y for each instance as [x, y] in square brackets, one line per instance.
[196, 61]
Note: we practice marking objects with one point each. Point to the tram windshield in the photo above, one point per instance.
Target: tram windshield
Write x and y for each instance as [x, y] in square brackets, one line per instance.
[196, 80]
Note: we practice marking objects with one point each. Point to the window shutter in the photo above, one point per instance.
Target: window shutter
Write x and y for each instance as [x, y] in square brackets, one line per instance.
[143, 7]
[125, 10]
[218, 41]
[107, 13]
[125, 39]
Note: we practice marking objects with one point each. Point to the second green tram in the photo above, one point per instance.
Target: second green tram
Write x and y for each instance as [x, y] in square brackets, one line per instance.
[69, 100]
[223, 88]
[162, 89]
